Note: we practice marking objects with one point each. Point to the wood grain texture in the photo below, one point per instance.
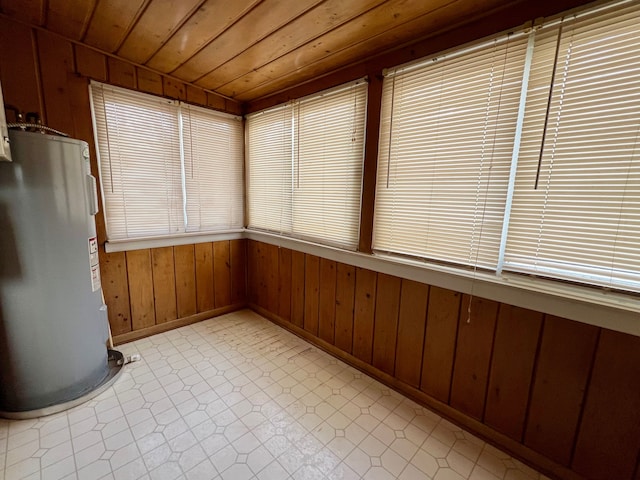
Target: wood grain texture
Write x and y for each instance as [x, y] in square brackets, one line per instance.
[69, 17]
[327, 312]
[252, 271]
[297, 288]
[222, 273]
[284, 283]
[608, 443]
[364, 311]
[30, 11]
[473, 355]
[164, 284]
[140, 276]
[440, 342]
[514, 356]
[205, 285]
[345, 299]
[412, 320]
[90, 63]
[238, 253]
[149, 82]
[271, 277]
[262, 275]
[562, 370]
[311, 293]
[111, 21]
[196, 95]
[386, 322]
[115, 286]
[174, 89]
[121, 73]
[185, 280]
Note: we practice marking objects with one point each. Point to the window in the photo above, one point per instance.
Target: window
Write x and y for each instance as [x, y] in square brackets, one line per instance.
[304, 166]
[166, 168]
[520, 154]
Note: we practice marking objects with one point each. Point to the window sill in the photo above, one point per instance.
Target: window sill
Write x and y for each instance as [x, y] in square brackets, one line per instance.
[172, 240]
[612, 310]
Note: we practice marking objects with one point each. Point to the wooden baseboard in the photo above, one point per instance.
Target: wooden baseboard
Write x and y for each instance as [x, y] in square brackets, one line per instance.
[499, 440]
[180, 322]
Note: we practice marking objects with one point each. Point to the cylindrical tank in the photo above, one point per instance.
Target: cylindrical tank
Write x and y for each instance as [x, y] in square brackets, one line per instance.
[52, 331]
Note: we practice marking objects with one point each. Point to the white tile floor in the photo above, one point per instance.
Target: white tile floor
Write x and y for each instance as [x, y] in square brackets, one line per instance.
[236, 398]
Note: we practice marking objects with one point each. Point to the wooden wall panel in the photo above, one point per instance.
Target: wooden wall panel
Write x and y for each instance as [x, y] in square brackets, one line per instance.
[327, 311]
[440, 342]
[121, 73]
[386, 322]
[284, 283]
[297, 288]
[115, 286]
[252, 271]
[363, 316]
[412, 319]
[262, 275]
[90, 63]
[139, 273]
[271, 276]
[514, 356]
[311, 293]
[473, 355]
[608, 444]
[345, 298]
[238, 271]
[563, 367]
[174, 89]
[204, 277]
[164, 284]
[185, 280]
[222, 273]
[149, 82]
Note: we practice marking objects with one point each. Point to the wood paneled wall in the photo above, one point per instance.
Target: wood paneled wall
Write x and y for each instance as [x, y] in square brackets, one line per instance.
[566, 390]
[147, 290]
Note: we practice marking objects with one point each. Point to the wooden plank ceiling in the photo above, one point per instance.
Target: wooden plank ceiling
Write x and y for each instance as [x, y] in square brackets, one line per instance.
[247, 49]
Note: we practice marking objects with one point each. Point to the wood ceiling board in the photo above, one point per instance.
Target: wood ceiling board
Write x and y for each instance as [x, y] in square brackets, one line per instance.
[112, 21]
[209, 21]
[31, 11]
[160, 20]
[320, 20]
[263, 20]
[328, 53]
[70, 17]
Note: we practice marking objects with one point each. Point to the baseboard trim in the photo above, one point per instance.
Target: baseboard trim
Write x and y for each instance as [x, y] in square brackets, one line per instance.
[180, 322]
[499, 440]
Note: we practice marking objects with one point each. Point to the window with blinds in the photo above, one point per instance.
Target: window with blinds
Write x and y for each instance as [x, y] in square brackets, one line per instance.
[520, 154]
[304, 166]
[166, 168]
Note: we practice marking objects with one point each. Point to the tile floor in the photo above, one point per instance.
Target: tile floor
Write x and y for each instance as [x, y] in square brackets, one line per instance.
[235, 398]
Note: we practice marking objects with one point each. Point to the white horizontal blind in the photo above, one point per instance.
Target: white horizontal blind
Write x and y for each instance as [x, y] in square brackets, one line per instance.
[139, 152]
[582, 223]
[304, 166]
[328, 162]
[213, 164]
[446, 140]
[269, 169]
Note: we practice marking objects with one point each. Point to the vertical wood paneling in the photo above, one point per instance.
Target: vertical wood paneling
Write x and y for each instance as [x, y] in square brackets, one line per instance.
[608, 442]
[440, 342]
[204, 277]
[562, 370]
[238, 271]
[327, 314]
[90, 63]
[185, 280]
[139, 272]
[252, 271]
[297, 288]
[121, 73]
[56, 63]
[149, 82]
[196, 95]
[222, 273]
[311, 293]
[473, 355]
[363, 317]
[411, 327]
[284, 283]
[164, 284]
[514, 355]
[386, 322]
[115, 286]
[271, 277]
[18, 69]
[262, 275]
[174, 89]
[345, 298]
